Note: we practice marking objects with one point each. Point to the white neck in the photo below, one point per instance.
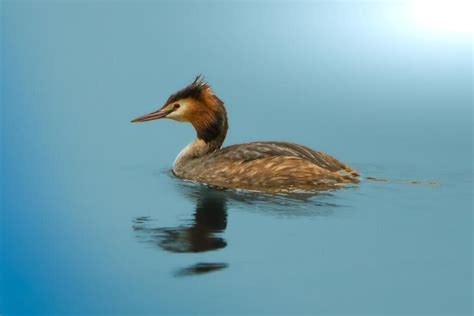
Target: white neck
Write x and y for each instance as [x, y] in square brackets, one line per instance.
[196, 149]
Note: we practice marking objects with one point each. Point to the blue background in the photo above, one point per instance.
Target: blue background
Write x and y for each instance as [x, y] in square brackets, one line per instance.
[358, 80]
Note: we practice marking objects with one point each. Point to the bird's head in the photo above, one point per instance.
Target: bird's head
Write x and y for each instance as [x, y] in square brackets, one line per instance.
[195, 104]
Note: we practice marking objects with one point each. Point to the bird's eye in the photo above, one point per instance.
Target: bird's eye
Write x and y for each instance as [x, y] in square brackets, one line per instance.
[176, 106]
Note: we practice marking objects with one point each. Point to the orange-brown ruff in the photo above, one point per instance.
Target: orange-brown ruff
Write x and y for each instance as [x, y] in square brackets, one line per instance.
[258, 166]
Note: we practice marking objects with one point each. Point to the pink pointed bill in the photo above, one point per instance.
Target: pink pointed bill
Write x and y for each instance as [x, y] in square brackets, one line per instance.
[152, 116]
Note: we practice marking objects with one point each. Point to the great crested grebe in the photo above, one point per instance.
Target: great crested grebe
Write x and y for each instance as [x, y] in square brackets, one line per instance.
[258, 166]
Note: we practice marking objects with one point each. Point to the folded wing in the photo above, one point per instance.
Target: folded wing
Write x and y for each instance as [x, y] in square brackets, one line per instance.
[260, 150]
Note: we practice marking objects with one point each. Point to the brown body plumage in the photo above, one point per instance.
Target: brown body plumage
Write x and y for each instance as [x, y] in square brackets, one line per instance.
[257, 166]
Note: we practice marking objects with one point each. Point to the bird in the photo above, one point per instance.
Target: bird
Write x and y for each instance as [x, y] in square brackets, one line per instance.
[261, 166]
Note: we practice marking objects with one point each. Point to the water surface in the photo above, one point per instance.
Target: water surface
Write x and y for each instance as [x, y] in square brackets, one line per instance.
[92, 221]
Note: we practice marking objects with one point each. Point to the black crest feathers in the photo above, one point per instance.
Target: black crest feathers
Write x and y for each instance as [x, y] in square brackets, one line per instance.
[193, 90]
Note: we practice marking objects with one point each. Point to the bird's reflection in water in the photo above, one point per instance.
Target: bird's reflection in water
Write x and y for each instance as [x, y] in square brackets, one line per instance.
[210, 219]
[201, 268]
[280, 205]
[204, 233]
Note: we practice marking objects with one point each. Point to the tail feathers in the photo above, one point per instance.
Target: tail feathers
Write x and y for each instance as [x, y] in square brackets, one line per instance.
[349, 175]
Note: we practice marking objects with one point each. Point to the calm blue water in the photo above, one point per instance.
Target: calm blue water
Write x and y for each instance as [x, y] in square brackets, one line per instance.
[92, 222]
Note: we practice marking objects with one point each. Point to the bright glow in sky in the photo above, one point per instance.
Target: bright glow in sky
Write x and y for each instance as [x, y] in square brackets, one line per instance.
[444, 15]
